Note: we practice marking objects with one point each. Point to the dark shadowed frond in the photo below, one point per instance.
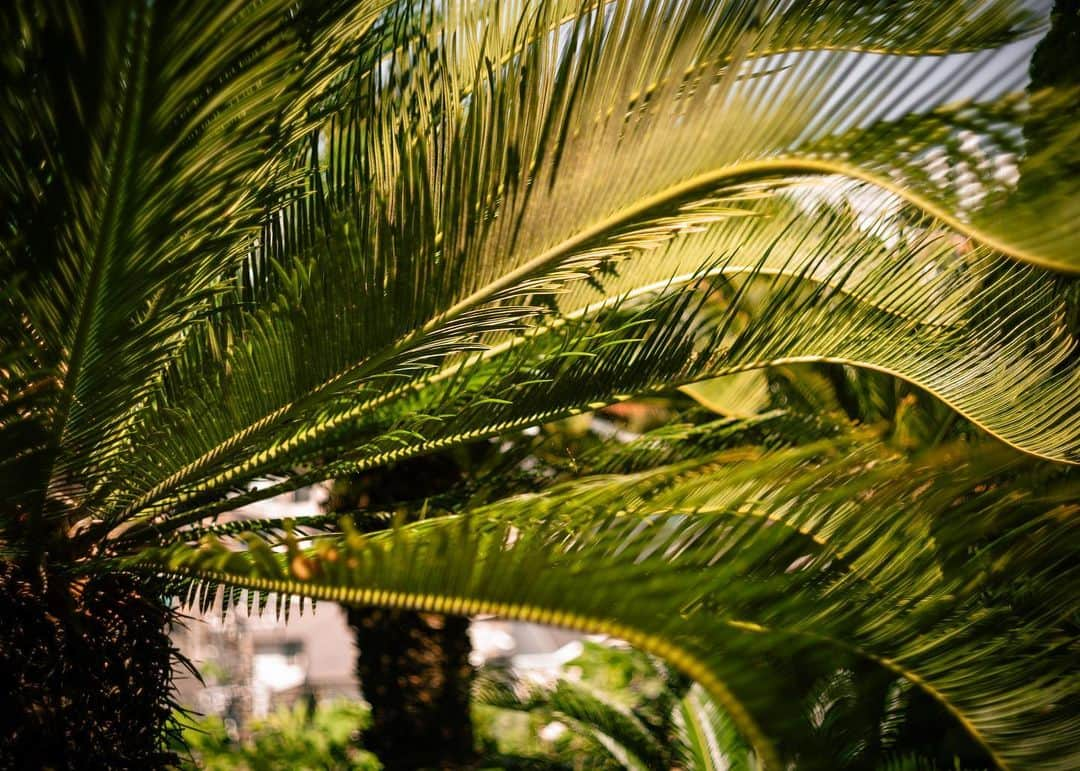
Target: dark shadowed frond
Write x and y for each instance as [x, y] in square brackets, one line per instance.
[142, 144]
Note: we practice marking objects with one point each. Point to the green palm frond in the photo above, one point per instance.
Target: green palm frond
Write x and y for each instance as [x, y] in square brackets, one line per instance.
[709, 741]
[660, 340]
[535, 157]
[696, 736]
[824, 543]
[465, 259]
[142, 145]
[682, 727]
[618, 731]
[741, 395]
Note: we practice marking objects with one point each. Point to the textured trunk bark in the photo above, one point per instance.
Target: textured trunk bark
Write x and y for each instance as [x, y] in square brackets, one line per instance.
[413, 667]
[414, 670]
[85, 674]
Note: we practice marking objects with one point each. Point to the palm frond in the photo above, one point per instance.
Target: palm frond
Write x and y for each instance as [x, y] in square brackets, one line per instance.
[293, 240]
[1001, 357]
[708, 738]
[481, 207]
[617, 730]
[142, 144]
[829, 552]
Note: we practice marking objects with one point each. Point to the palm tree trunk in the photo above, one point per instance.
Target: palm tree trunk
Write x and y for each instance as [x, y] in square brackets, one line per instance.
[414, 670]
[85, 673]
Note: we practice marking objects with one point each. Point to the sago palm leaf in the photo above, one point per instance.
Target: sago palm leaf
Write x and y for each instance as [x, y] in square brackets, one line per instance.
[616, 729]
[927, 332]
[462, 258]
[142, 145]
[697, 735]
[709, 740]
[721, 561]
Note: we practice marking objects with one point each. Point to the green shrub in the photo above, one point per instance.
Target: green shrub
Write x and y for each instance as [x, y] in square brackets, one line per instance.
[290, 737]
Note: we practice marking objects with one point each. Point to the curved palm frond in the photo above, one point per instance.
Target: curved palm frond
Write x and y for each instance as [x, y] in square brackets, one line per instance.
[1010, 369]
[293, 240]
[483, 208]
[697, 734]
[714, 563]
[142, 144]
[616, 729]
[709, 741]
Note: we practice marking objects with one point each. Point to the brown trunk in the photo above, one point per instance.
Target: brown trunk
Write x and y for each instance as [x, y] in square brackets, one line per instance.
[414, 671]
[413, 667]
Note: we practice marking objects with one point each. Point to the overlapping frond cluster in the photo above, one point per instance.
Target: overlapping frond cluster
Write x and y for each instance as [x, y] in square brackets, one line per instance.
[740, 555]
[142, 143]
[293, 240]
